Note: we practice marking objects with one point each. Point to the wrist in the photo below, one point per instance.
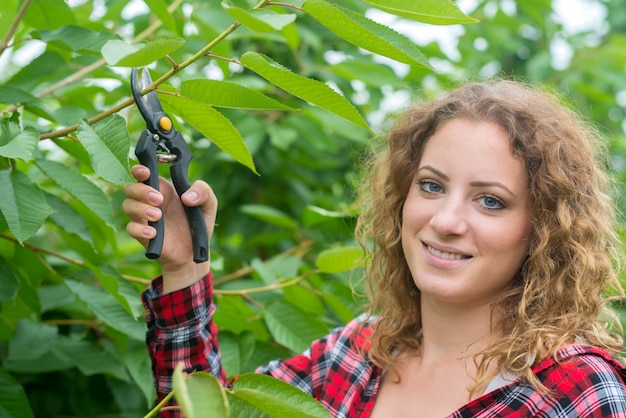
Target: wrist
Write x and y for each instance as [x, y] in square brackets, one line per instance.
[179, 277]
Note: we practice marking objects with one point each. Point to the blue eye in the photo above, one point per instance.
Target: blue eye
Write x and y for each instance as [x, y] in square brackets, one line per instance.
[492, 202]
[430, 186]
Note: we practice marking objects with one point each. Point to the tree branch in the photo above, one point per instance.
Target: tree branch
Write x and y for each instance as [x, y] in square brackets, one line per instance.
[14, 25]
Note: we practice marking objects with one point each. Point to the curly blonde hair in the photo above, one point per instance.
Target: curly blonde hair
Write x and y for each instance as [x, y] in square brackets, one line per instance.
[566, 285]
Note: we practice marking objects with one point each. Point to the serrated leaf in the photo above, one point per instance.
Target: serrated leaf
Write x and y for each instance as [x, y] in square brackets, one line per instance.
[67, 218]
[23, 204]
[292, 327]
[122, 54]
[17, 143]
[269, 215]
[337, 260]
[77, 38]
[231, 95]
[307, 89]
[88, 357]
[13, 399]
[256, 394]
[107, 309]
[200, 394]
[258, 20]
[435, 12]
[213, 125]
[108, 145]
[31, 340]
[122, 290]
[365, 33]
[80, 188]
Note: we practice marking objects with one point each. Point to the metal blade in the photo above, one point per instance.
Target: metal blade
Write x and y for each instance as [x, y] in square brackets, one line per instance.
[150, 99]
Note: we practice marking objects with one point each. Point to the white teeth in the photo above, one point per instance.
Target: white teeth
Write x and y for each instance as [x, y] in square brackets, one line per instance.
[442, 254]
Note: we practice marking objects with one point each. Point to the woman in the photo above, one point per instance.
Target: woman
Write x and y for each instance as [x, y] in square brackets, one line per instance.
[490, 235]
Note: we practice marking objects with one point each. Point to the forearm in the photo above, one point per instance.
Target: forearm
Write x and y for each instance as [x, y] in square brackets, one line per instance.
[181, 329]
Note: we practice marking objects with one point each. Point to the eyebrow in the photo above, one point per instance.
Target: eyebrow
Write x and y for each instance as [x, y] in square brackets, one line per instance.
[473, 184]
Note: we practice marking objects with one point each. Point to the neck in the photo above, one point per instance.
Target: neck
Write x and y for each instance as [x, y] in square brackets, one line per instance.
[452, 331]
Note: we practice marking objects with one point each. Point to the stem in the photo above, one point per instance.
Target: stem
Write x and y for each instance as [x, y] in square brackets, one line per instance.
[299, 249]
[86, 70]
[43, 250]
[274, 286]
[37, 249]
[14, 25]
[155, 411]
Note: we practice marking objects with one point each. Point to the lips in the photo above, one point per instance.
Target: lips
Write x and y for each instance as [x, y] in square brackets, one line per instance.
[446, 255]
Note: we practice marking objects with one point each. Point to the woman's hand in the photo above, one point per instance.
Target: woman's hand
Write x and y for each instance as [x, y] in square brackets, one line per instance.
[141, 206]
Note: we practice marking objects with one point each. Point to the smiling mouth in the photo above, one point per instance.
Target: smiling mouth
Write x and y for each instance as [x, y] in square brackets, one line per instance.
[446, 255]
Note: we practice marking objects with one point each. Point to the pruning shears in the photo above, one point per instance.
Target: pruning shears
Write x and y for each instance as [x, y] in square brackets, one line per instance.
[160, 142]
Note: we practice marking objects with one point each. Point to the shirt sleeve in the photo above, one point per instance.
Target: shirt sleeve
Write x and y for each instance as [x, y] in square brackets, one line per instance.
[181, 329]
[588, 385]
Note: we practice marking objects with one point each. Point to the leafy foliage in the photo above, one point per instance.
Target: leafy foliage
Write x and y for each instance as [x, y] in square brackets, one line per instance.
[278, 102]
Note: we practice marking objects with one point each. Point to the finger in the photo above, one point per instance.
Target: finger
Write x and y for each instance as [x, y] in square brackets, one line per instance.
[200, 194]
[139, 211]
[143, 193]
[142, 232]
[140, 172]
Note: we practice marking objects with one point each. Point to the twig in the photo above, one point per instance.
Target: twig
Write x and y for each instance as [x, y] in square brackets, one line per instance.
[273, 286]
[299, 249]
[14, 25]
[43, 250]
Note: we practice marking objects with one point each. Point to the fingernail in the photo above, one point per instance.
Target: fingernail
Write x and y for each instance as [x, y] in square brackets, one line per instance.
[152, 213]
[148, 232]
[154, 198]
[192, 196]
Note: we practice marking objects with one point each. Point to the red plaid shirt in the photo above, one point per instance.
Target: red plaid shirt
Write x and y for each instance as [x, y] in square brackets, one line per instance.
[585, 382]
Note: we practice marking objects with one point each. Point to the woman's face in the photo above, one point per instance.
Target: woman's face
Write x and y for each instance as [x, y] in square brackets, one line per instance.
[466, 221]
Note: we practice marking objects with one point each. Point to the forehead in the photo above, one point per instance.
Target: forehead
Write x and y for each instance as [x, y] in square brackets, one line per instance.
[477, 148]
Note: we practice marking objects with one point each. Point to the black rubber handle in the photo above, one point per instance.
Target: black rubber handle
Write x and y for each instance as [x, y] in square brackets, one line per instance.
[195, 217]
[146, 153]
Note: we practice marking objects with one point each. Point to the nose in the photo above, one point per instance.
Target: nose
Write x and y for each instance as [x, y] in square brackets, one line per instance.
[450, 217]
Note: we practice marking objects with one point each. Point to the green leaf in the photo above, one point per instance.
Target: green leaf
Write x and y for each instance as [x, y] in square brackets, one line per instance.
[259, 395]
[200, 394]
[23, 204]
[230, 95]
[108, 145]
[365, 33]
[292, 327]
[13, 400]
[16, 143]
[67, 218]
[12, 95]
[31, 340]
[213, 125]
[80, 188]
[159, 8]
[236, 350]
[9, 284]
[77, 38]
[88, 358]
[307, 89]
[258, 20]
[339, 259]
[107, 309]
[122, 54]
[49, 14]
[435, 12]
[124, 291]
[270, 215]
